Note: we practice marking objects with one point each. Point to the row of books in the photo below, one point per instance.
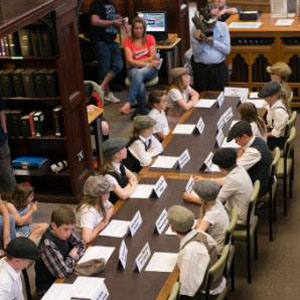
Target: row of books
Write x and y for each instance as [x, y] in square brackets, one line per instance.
[33, 124]
[27, 42]
[29, 83]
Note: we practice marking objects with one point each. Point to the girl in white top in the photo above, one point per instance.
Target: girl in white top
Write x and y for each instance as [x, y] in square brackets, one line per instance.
[179, 92]
[248, 113]
[94, 211]
[158, 101]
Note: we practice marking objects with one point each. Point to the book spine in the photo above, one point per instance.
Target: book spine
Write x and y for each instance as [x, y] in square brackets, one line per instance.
[6, 46]
[18, 84]
[28, 83]
[31, 124]
[16, 115]
[38, 123]
[58, 121]
[25, 127]
[39, 84]
[25, 42]
[51, 84]
[46, 43]
[35, 42]
[7, 85]
[12, 46]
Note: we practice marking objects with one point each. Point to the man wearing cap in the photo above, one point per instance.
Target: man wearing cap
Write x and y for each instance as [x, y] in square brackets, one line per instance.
[255, 155]
[209, 54]
[20, 253]
[197, 253]
[143, 145]
[277, 115]
[114, 151]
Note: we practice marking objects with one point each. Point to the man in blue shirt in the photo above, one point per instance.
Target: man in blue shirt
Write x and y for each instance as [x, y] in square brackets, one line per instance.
[208, 60]
[7, 179]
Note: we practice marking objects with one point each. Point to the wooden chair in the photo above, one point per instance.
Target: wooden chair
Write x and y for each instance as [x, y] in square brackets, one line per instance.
[290, 99]
[248, 233]
[270, 196]
[149, 83]
[285, 168]
[174, 292]
[292, 120]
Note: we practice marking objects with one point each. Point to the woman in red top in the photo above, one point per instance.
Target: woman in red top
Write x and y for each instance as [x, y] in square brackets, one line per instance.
[140, 53]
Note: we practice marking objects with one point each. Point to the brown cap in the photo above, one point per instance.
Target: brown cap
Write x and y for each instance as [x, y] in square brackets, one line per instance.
[181, 218]
[281, 69]
[176, 72]
[143, 122]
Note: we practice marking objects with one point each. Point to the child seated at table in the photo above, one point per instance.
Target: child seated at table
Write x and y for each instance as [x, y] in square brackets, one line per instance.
[158, 102]
[94, 211]
[143, 145]
[179, 92]
[114, 151]
[22, 206]
[278, 114]
[61, 249]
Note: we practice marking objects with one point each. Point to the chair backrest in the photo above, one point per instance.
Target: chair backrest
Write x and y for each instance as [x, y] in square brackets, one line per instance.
[290, 99]
[174, 292]
[289, 143]
[231, 226]
[252, 203]
[292, 120]
[274, 164]
[216, 271]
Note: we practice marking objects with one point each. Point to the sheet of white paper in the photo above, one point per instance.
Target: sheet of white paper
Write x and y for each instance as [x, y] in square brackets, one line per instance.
[235, 91]
[97, 252]
[253, 25]
[143, 191]
[58, 291]
[165, 162]
[87, 287]
[231, 144]
[259, 103]
[162, 262]
[205, 103]
[214, 168]
[284, 22]
[116, 228]
[253, 95]
[184, 129]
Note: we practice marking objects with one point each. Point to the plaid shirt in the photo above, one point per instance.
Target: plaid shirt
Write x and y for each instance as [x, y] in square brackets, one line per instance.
[58, 265]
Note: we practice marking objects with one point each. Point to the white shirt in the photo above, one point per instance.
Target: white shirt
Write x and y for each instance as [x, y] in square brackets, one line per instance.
[250, 156]
[175, 95]
[137, 149]
[116, 167]
[277, 118]
[257, 132]
[161, 121]
[218, 219]
[236, 190]
[10, 282]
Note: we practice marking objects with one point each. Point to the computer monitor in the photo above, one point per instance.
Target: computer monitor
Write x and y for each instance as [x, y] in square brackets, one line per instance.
[156, 23]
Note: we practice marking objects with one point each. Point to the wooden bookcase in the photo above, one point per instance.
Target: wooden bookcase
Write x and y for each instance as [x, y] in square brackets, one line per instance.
[74, 146]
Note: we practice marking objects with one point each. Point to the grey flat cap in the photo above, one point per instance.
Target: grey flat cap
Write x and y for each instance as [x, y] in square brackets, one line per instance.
[225, 158]
[238, 129]
[269, 89]
[208, 190]
[96, 186]
[143, 122]
[113, 145]
[181, 218]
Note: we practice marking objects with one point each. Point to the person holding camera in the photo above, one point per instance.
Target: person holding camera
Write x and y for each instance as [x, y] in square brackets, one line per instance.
[210, 45]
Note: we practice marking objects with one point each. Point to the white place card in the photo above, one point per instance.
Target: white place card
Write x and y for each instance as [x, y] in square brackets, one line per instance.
[116, 228]
[228, 114]
[284, 22]
[184, 129]
[135, 223]
[123, 254]
[160, 186]
[235, 91]
[259, 103]
[58, 291]
[220, 138]
[221, 123]
[165, 162]
[161, 222]
[205, 103]
[243, 98]
[97, 252]
[231, 144]
[253, 95]
[209, 164]
[220, 99]
[142, 258]
[143, 191]
[184, 158]
[200, 125]
[162, 262]
[190, 184]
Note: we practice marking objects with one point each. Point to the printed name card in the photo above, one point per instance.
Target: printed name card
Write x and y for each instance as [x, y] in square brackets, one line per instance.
[160, 186]
[190, 184]
[200, 125]
[142, 258]
[161, 222]
[135, 223]
[184, 158]
[220, 138]
[209, 164]
[235, 92]
[123, 253]
[220, 123]
[220, 99]
[228, 114]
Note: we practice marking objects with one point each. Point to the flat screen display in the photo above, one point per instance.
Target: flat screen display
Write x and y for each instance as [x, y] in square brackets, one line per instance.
[155, 21]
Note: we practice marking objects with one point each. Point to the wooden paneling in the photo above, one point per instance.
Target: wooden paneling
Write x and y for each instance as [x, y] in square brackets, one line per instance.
[262, 5]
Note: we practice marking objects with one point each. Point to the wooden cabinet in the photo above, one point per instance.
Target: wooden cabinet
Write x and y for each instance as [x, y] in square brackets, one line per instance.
[74, 146]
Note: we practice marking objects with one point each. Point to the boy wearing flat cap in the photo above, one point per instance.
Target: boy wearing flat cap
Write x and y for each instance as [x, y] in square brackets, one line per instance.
[114, 151]
[20, 253]
[255, 155]
[143, 145]
[197, 253]
[277, 115]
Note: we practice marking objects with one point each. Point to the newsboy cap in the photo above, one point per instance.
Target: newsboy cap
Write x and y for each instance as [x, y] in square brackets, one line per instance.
[281, 69]
[143, 122]
[225, 158]
[113, 145]
[176, 72]
[181, 218]
[23, 247]
[238, 129]
[269, 89]
[96, 186]
[208, 190]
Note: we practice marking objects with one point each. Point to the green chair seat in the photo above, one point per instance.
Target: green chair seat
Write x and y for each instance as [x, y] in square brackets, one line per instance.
[241, 234]
[149, 83]
[174, 292]
[280, 167]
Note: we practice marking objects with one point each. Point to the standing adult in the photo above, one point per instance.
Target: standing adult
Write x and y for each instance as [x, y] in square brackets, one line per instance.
[105, 24]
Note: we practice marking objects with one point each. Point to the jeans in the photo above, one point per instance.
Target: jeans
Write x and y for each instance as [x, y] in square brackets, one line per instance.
[137, 92]
[7, 178]
[12, 228]
[109, 58]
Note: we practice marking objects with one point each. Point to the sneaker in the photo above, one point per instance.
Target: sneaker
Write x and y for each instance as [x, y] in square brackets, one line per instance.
[110, 97]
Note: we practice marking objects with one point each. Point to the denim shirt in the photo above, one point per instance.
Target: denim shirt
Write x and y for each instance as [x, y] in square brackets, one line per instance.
[215, 53]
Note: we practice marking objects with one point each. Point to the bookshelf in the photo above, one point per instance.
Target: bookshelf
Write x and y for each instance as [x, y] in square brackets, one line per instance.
[56, 19]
